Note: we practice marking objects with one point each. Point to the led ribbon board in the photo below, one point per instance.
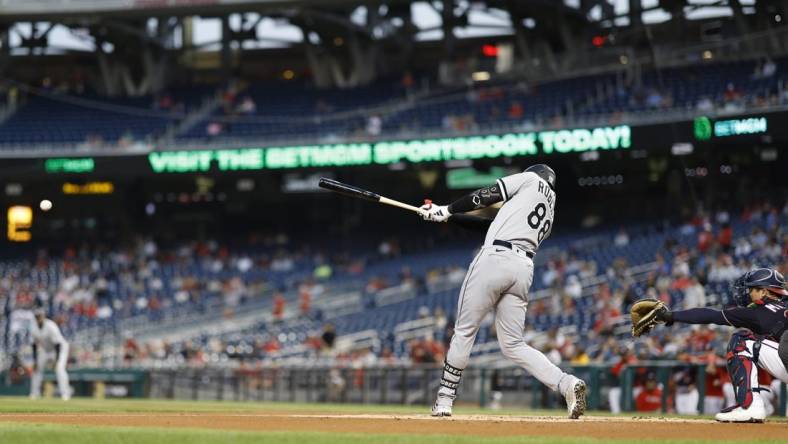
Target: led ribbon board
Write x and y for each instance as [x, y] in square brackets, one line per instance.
[383, 153]
[704, 129]
[70, 165]
[20, 221]
[88, 188]
[740, 127]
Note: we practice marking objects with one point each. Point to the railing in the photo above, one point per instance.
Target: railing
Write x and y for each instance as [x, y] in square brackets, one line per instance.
[416, 385]
[481, 385]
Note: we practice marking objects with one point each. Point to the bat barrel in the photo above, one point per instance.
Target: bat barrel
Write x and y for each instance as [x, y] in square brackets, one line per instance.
[348, 190]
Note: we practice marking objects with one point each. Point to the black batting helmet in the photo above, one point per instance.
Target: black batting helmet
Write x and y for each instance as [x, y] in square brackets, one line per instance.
[545, 172]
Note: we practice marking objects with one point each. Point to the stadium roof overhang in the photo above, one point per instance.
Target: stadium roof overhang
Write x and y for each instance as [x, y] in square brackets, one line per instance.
[43, 10]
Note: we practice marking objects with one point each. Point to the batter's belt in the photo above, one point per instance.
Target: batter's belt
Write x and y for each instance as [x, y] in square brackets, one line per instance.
[509, 245]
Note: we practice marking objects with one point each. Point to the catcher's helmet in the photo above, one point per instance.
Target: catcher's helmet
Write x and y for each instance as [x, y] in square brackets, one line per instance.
[767, 278]
[545, 172]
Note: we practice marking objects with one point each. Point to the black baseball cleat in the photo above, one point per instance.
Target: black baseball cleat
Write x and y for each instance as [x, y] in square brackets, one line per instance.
[576, 399]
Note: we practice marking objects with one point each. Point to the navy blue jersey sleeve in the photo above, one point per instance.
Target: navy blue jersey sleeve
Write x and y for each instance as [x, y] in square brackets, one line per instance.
[700, 316]
[743, 317]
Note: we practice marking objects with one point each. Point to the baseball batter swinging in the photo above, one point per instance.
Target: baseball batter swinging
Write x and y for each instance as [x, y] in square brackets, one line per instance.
[499, 278]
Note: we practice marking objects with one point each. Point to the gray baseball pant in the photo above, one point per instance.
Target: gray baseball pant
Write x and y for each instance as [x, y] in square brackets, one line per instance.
[499, 278]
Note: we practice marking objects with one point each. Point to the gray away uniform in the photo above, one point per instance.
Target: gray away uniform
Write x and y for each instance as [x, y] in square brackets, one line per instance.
[499, 278]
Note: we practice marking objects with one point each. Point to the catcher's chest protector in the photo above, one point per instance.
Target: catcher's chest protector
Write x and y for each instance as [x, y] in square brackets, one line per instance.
[783, 349]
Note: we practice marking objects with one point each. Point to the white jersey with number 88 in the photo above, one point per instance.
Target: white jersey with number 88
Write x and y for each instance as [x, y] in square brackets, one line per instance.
[526, 217]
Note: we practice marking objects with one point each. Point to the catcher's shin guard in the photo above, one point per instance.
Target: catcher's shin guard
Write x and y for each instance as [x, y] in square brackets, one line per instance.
[742, 367]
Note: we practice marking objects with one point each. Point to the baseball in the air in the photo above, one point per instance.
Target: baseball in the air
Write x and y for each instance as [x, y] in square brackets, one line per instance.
[45, 205]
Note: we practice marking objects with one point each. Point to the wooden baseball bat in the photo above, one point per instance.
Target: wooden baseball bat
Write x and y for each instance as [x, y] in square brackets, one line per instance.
[360, 193]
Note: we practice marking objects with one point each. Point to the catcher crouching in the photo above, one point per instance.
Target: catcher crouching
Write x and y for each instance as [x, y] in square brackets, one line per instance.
[761, 307]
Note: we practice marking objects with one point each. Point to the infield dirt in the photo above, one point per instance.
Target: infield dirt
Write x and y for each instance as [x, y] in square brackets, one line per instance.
[479, 425]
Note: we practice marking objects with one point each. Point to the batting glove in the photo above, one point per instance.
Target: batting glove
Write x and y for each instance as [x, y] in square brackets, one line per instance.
[435, 213]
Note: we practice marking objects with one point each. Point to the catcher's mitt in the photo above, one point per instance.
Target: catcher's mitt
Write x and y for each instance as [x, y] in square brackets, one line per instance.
[646, 314]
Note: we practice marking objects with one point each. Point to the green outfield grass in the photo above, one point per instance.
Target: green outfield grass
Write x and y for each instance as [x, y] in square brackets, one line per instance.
[24, 433]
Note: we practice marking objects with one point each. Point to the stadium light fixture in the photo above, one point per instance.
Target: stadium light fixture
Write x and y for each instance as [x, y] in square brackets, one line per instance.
[480, 76]
[708, 55]
[490, 50]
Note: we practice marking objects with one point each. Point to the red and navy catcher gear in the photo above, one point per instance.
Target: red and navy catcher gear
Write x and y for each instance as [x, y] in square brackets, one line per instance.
[742, 362]
[767, 278]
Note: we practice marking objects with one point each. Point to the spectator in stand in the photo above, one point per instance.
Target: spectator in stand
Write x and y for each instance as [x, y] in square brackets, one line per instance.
[622, 238]
[743, 247]
[272, 345]
[764, 70]
[705, 239]
[705, 104]
[724, 269]
[654, 99]
[247, 106]
[435, 349]
[375, 284]
[165, 102]
[305, 303]
[419, 353]
[374, 125]
[550, 275]
[731, 94]
[725, 238]
[580, 357]
[606, 318]
[213, 129]
[131, 350]
[440, 319]
[329, 336]
[279, 306]
[407, 83]
[694, 294]
[573, 288]
[516, 111]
